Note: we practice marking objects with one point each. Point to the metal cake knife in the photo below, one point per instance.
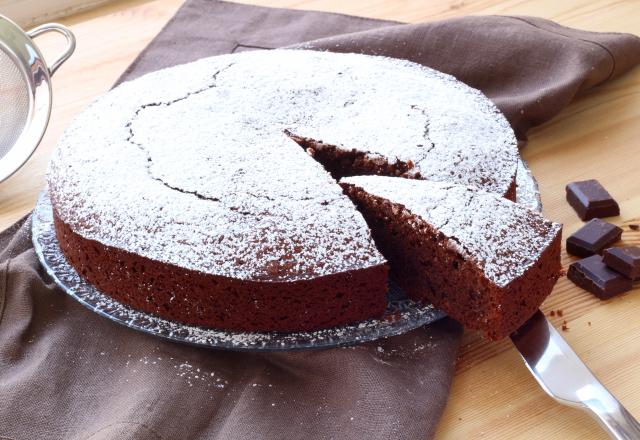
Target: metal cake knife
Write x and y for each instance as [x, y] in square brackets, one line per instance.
[563, 376]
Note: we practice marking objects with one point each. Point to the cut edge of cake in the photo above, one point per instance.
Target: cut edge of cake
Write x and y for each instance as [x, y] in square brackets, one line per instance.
[341, 163]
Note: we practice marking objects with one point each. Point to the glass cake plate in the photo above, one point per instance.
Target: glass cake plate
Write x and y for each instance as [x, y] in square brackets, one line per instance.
[401, 316]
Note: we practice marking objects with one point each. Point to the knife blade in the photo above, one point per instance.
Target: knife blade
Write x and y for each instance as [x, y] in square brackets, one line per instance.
[563, 376]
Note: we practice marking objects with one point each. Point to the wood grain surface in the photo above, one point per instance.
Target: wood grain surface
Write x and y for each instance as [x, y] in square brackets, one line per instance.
[493, 395]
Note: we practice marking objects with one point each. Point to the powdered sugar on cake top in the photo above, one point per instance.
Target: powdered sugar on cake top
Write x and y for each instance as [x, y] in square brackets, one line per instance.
[502, 237]
[190, 165]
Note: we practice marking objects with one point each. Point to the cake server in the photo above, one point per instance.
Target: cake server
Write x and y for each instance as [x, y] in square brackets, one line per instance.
[25, 91]
[563, 376]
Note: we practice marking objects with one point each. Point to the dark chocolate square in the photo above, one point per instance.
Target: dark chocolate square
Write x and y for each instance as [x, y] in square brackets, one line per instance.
[591, 200]
[594, 276]
[592, 238]
[625, 260]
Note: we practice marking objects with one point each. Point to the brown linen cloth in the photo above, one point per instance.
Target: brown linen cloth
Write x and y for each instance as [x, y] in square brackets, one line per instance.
[68, 373]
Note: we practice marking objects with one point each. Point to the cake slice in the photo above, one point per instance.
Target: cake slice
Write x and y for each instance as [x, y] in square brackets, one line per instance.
[484, 260]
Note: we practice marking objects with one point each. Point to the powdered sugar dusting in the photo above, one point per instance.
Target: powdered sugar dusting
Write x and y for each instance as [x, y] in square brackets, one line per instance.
[190, 165]
[503, 237]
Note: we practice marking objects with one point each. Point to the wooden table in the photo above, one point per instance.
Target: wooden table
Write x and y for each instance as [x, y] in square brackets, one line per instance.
[493, 395]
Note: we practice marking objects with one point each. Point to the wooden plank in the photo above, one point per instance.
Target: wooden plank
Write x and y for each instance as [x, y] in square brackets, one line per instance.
[493, 395]
[31, 12]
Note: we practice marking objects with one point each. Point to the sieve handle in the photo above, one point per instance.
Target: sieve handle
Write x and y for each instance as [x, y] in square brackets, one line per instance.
[71, 42]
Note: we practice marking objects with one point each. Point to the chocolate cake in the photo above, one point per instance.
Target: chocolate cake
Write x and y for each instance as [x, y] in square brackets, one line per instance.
[188, 192]
[484, 260]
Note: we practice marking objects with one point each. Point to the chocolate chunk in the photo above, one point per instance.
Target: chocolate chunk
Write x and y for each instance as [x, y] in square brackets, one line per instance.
[634, 227]
[592, 238]
[593, 275]
[590, 200]
[625, 260]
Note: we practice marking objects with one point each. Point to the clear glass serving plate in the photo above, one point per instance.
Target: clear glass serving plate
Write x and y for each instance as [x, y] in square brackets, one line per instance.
[401, 316]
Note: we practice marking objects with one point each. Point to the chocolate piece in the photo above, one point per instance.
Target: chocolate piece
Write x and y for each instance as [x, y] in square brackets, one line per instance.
[594, 276]
[592, 238]
[625, 260]
[634, 227]
[590, 200]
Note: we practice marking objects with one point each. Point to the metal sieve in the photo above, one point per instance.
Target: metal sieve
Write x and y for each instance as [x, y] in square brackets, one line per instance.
[25, 91]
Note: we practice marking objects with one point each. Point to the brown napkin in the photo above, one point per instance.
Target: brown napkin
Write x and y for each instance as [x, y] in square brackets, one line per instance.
[530, 67]
[68, 373]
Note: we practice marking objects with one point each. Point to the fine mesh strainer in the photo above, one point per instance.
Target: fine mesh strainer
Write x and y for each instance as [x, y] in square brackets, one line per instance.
[25, 91]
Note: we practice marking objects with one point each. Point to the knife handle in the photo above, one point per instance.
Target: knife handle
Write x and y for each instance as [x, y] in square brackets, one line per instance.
[610, 413]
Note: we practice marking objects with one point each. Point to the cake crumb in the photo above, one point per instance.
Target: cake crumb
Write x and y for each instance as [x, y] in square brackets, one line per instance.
[565, 328]
[589, 323]
[634, 227]
[560, 312]
[553, 313]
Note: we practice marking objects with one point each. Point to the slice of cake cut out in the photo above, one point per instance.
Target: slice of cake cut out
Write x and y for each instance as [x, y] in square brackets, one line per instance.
[484, 260]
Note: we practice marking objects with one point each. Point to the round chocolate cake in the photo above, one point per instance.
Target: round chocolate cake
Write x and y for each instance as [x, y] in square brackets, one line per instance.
[191, 192]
